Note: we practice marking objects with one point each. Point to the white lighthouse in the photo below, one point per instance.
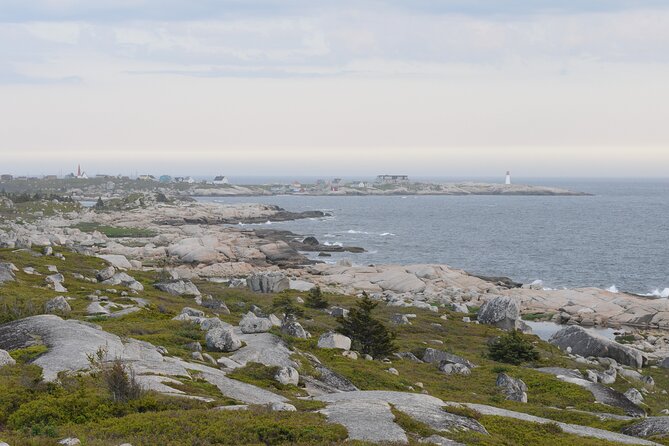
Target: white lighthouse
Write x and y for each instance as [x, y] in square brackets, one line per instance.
[508, 177]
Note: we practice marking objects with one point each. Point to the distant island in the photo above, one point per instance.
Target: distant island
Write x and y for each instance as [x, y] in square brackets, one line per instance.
[81, 187]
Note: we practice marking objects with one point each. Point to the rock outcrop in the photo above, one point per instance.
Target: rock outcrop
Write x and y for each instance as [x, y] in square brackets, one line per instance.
[502, 312]
[179, 288]
[334, 340]
[223, 339]
[586, 344]
[273, 282]
[514, 389]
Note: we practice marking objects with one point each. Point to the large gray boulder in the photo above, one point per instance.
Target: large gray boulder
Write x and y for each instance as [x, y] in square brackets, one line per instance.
[223, 339]
[502, 312]
[650, 427]
[274, 282]
[6, 359]
[7, 272]
[124, 279]
[251, 323]
[57, 305]
[431, 355]
[105, 273]
[117, 261]
[287, 376]
[178, 288]
[586, 344]
[290, 327]
[334, 340]
[514, 389]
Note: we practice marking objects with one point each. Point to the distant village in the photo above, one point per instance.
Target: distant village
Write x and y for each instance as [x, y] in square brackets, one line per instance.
[220, 180]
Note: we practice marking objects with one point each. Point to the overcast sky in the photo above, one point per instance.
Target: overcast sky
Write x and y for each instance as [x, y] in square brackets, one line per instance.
[441, 87]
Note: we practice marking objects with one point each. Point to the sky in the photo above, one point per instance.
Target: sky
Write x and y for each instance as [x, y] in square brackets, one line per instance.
[570, 88]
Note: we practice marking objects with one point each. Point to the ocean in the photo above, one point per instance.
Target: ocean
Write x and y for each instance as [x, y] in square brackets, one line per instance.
[617, 238]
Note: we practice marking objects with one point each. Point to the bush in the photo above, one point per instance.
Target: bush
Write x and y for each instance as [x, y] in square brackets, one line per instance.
[315, 299]
[368, 335]
[513, 348]
[286, 305]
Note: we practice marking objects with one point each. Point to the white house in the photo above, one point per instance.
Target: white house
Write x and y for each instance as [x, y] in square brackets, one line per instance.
[221, 180]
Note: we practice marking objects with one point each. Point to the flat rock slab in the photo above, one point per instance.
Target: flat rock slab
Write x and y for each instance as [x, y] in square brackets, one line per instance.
[367, 414]
[649, 427]
[70, 342]
[573, 429]
[602, 394]
[263, 348]
[370, 420]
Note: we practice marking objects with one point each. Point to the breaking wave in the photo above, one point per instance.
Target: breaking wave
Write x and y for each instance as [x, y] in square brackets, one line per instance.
[613, 289]
[658, 293]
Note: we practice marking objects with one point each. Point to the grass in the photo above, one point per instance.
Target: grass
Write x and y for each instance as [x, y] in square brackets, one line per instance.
[115, 231]
[37, 413]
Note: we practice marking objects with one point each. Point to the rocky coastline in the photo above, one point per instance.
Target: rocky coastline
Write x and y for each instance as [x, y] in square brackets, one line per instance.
[192, 245]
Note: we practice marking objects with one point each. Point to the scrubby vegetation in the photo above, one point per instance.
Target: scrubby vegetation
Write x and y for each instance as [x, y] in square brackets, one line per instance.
[108, 412]
[315, 298]
[114, 231]
[513, 348]
[367, 334]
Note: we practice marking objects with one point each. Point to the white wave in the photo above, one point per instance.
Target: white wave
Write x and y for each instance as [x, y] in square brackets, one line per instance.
[658, 293]
[268, 222]
[329, 236]
[333, 244]
[353, 231]
[613, 289]
[387, 234]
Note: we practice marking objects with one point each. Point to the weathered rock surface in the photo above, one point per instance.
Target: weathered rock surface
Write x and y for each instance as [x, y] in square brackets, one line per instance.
[6, 359]
[291, 327]
[602, 394]
[57, 305]
[7, 272]
[251, 323]
[502, 312]
[287, 376]
[367, 415]
[586, 344]
[179, 288]
[273, 282]
[431, 355]
[650, 427]
[573, 429]
[223, 339]
[514, 389]
[116, 260]
[334, 340]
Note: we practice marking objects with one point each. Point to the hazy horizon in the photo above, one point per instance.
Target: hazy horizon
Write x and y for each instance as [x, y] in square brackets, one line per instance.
[541, 88]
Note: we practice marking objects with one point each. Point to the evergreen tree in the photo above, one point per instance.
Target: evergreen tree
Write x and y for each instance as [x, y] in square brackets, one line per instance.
[99, 204]
[513, 348]
[368, 335]
[315, 299]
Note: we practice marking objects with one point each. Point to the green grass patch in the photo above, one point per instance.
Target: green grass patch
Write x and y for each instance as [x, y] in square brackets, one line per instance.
[115, 231]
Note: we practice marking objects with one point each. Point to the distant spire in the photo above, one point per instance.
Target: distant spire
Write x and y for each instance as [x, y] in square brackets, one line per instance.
[78, 170]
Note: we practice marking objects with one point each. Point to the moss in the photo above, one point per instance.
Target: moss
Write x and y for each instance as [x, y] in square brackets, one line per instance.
[28, 354]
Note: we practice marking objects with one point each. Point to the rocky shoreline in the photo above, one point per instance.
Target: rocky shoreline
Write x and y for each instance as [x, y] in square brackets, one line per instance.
[190, 245]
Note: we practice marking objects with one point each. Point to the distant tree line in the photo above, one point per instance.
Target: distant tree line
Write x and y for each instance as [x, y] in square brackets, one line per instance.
[25, 197]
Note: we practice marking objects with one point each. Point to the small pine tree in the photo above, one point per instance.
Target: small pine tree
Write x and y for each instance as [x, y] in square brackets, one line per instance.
[99, 204]
[315, 299]
[368, 335]
[513, 348]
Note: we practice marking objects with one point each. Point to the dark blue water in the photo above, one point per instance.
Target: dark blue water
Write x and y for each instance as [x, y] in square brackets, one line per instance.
[619, 236]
